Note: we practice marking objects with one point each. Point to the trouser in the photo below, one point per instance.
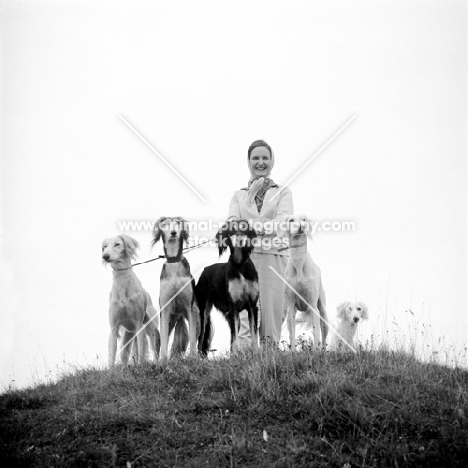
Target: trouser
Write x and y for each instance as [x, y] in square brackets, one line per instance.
[272, 302]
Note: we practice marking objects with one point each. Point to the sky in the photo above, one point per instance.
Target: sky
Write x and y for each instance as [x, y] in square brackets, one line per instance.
[199, 81]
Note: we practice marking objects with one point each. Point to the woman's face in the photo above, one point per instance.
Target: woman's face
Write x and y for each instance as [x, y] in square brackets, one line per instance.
[260, 161]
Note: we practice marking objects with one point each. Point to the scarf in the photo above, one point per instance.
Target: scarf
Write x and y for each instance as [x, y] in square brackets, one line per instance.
[257, 189]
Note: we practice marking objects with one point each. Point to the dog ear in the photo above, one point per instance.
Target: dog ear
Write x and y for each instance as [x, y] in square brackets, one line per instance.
[157, 231]
[365, 310]
[251, 234]
[341, 309]
[131, 245]
[223, 239]
[309, 227]
[184, 233]
[283, 226]
[104, 243]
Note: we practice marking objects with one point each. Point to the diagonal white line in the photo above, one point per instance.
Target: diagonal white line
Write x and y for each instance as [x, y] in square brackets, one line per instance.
[162, 308]
[313, 309]
[159, 156]
[312, 158]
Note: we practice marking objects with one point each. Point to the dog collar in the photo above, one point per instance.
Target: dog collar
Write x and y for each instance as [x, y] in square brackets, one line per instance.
[177, 259]
[123, 269]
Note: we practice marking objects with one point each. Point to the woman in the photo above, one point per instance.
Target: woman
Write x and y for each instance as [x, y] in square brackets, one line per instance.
[265, 204]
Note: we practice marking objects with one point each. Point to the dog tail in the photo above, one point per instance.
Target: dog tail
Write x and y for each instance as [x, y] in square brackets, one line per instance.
[181, 337]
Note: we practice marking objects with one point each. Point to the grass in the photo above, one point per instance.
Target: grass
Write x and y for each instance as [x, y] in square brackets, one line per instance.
[266, 408]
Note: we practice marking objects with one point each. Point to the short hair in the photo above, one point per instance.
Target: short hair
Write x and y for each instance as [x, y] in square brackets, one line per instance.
[258, 143]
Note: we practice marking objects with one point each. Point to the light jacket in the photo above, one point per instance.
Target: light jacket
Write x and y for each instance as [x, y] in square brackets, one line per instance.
[272, 213]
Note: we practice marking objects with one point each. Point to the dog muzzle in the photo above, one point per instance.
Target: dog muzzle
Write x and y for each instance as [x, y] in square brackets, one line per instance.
[239, 241]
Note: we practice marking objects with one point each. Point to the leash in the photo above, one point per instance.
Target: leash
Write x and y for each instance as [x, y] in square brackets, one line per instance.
[189, 249]
[159, 257]
[289, 247]
[147, 261]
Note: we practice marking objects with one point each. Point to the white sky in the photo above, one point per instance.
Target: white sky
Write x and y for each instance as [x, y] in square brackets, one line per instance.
[201, 80]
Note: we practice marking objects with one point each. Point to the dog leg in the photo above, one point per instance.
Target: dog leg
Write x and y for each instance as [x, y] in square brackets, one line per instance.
[290, 304]
[321, 304]
[253, 320]
[204, 308]
[165, 315]
[125, 349]
[133, 358]
[112, 347]
[155, 343]
[194, 327]
[234, 325]
[291, 318]
[315, 319]
[181, 336]
[142, 347]
[152, 328]
[206, 330]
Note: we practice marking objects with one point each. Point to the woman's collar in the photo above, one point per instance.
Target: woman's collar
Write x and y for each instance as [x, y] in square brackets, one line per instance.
[273, 184]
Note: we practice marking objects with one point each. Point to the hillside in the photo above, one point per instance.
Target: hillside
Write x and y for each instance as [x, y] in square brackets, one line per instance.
[258, 409]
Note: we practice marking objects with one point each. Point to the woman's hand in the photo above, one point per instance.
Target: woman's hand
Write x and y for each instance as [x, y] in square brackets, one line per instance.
[260, 232]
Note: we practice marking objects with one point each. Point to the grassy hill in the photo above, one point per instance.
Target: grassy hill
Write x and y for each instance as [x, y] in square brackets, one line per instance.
[256, 409]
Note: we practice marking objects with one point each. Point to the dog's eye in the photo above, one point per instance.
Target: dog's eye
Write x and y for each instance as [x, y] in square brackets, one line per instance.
[359, 309]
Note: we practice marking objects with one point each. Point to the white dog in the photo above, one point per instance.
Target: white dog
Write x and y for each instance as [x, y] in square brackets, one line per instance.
[350, 315]
[303, 276]
[130, 305]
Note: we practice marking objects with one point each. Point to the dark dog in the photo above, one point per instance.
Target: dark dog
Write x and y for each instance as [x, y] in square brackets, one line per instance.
[176, 298]
[230, 287]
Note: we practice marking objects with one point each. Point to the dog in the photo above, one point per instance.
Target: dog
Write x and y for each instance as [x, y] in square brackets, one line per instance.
[130, 306]
[350, 315]
[230, 287]
[177, 299]
[303, 274]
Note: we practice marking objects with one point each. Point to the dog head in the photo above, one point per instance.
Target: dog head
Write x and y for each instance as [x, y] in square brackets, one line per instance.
[238, 236]
[120, 249]
[353, 313]
[170, 229]
[297, 226]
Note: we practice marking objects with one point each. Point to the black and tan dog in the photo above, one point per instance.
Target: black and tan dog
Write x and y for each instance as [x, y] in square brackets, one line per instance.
[177, 293]
[230, 287]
